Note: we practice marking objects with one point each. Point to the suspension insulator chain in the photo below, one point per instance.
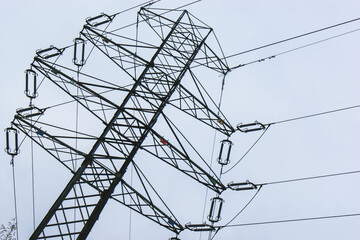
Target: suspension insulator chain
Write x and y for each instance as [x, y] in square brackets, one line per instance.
[251, 127]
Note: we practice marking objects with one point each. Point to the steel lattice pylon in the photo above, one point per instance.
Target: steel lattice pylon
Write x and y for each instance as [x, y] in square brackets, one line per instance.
[151, 78]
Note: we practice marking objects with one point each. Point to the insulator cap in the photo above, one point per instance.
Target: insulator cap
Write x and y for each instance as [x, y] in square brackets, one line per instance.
[250, 127]
[30, 83]
[79, 52]
[215, 209]
[49, 52]
[12, 143]
[225, 149]
[99, 20]
[242, 186]
[202, 227]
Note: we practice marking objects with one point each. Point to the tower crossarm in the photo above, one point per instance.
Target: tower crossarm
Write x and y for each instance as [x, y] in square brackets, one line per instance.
[122, 54]
[83, 91]
[97, 176]
[210, 59]
[128, 196]
[179, 159]
[55, 146]
[199, 109]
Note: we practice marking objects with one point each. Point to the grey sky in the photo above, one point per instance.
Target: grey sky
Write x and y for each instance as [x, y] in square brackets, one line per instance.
[317, 78]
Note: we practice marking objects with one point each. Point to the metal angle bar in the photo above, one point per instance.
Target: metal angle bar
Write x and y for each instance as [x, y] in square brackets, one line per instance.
[161, 25]
[126, 131]
[182, 156]
[45, 135]
[116, 59]
[173, 156]
[141, 177]
[143, 10]
[71, 80]
[223, 66]
[127, 90]
[58, 145]
[137, 41]
[78, 84]
[68, 222]
[88, 136]
[194, 105]
[54, 64]
[184, 42]
[54, 140]
[75, 207]
[136, 201]
[59, 235]
[116, 44]
[115, 86]
[89, 90]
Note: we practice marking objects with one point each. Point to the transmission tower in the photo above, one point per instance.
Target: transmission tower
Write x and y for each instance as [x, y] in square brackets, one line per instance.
[168, 47]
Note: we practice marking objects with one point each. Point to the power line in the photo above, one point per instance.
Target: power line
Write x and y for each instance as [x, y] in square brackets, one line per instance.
[244, 207]
[248, 150]
[292, 38]
[309, 178]
[237, 213]
[294, 49]
[32, 174]
[287, 120]
[314, 115]
[287, 220]
[147, 3]
[168, 10]
[213, 145]
[12, 163]
[290, 220]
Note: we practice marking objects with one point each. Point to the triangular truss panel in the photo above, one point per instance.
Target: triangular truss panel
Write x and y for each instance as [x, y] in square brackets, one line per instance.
[169, 146]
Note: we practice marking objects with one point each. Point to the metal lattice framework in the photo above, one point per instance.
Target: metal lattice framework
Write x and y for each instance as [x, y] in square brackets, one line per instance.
[128, 109]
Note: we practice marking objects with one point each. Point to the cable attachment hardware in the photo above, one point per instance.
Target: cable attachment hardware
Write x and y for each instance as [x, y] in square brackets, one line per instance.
[29, 112]
[99, 20]
[215, 209]
[242, 186]
[49, 52]
[163, 141]
[12, 143]
[106, 40]
[79, 52]
[225, 149]
[202, 227]
[250, 127]
[30, 83]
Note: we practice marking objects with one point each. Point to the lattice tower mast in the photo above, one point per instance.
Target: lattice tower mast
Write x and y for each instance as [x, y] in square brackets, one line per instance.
[155, 68]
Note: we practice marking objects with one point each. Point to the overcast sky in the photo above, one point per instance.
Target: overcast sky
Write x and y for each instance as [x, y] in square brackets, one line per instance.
[310, 80]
